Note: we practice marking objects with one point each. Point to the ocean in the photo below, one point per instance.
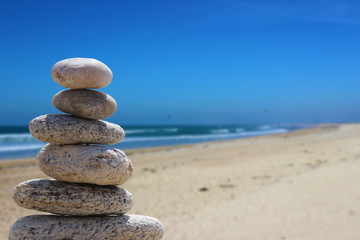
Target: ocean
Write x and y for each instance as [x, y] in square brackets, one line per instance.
[16, 142]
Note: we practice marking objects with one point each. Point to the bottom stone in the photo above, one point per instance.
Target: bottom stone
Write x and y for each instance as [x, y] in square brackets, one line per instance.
[92, 227]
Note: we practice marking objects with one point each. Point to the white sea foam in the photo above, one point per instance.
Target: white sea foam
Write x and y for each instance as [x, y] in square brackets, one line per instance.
[150, 130]
[20, 148]
[132, 131]
[239, 129]
[265, 127]
[170, 129]
[206, 136]
[16, 137]
[217, 131]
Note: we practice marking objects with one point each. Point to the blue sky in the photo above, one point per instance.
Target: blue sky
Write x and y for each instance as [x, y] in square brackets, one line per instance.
[202, 62]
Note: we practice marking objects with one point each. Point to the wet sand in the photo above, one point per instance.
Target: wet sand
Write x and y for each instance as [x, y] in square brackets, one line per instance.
[299, 185]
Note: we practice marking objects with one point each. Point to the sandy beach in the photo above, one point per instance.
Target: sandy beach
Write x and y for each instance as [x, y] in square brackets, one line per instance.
[299, 185]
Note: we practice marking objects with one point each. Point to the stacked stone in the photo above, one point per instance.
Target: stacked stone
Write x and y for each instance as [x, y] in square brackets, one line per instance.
[84, 193]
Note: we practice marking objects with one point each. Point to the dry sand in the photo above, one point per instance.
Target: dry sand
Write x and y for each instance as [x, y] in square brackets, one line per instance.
[299, 185]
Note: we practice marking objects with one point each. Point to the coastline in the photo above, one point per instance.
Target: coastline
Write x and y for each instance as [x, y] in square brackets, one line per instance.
[129, 152]
[301, 184]
[16, 142]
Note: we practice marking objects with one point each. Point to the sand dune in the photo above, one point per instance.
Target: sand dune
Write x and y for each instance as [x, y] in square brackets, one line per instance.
[299, 185]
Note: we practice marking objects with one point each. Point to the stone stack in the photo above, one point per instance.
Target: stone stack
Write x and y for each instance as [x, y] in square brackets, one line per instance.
[84, 194]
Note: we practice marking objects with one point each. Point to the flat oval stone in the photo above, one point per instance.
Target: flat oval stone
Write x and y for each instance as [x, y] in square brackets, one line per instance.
[125, 227]
[85, 103]
[72, 198]
[66, 129]
[80, 73]
[85, 164]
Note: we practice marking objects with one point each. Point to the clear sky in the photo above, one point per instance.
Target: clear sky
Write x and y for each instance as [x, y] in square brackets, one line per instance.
[202, 62]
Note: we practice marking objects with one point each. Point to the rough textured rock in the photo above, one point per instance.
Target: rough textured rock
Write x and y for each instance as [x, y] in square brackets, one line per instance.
[125, 227]
[85, 103]
[66, 129]
[85, 164]
[79, 73]
[72, 198]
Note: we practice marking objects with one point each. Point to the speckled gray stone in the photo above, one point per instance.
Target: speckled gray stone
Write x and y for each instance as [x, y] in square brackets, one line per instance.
[125, 227]
[85, 103]
[49, 195]
[79, 73]
[66, 129]
[85, 164]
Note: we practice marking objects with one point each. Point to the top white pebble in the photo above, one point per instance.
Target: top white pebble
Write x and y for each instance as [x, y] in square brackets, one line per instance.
[78, 73]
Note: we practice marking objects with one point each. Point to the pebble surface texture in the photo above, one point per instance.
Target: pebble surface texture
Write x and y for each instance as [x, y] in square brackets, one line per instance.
[85, 103]
[77, 73]
[84, 194]
[72, 198]
[85, 164]
[66, 129]
[125, 227]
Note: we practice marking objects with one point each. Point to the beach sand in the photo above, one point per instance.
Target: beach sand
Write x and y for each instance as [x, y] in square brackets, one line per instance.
[299, 185]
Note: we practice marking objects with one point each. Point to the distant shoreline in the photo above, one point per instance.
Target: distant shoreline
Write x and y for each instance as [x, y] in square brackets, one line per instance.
[17, 142]
[129, 152]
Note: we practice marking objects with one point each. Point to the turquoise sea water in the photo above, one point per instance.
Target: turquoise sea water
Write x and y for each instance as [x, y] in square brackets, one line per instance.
[16, 142]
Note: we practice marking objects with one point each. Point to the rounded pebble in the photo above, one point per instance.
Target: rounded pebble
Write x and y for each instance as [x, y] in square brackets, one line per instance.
[85, 103]
[125, 227]
[80, 73]
[72, 198]
[85, 164]
[66, 129]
